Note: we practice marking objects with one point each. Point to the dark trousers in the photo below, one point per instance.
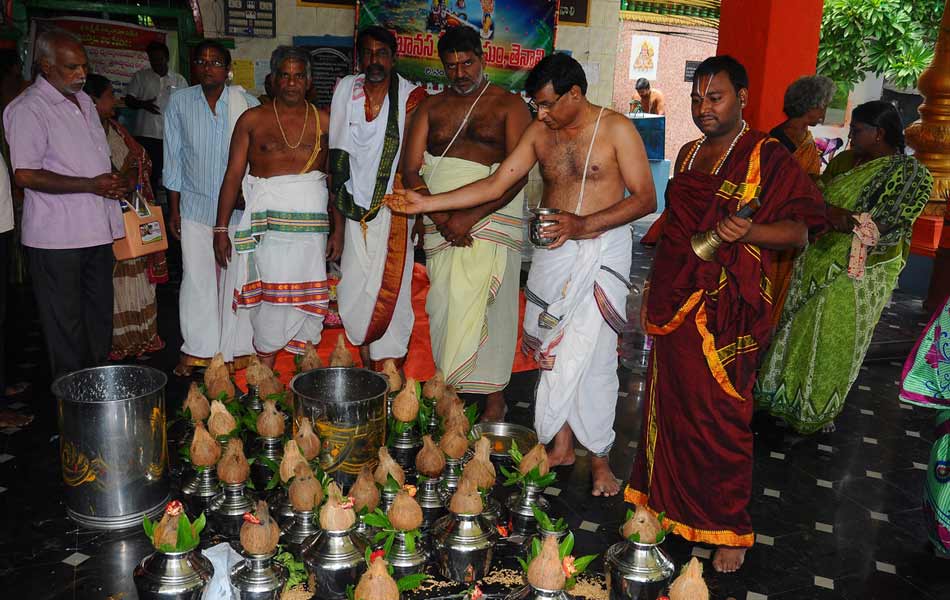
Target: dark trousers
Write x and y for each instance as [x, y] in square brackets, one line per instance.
[153, 148]
[6, 239]
[73, 289]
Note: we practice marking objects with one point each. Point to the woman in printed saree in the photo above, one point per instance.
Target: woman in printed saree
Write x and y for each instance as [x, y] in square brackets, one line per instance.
[926, 383]
[841, 283]
[134, 309]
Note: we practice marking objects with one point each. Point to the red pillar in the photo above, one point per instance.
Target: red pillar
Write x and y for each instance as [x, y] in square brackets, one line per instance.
[777, 41]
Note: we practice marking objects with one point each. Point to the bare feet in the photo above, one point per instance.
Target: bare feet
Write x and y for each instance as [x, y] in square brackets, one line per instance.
[728, 559]
[8, 418]
[495, 407]
[183, 369]
[562, 453]
[604, 481]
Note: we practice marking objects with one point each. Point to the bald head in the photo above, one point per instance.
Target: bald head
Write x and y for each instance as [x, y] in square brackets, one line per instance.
[62, 61]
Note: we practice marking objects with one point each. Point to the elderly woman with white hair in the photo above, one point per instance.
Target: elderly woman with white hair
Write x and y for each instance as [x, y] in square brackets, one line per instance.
[806, 101]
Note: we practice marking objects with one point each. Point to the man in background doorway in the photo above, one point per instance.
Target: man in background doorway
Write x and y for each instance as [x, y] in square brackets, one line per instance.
[148, 93]
[649, 100]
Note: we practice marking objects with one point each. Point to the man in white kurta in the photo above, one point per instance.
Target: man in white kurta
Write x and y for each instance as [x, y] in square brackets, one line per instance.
[367, 122]
[281, 239]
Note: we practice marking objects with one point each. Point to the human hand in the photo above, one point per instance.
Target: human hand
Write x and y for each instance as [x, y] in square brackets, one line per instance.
[109, 185]
[562, 227]
[408, 202]
[335, 245]
[841, 220]
[222, 249]
[174, 221]
[733, 228]
[457, 227]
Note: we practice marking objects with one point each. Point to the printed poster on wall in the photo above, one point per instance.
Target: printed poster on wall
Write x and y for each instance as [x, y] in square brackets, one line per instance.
[644, 56]
[515, 35]
[115, 50]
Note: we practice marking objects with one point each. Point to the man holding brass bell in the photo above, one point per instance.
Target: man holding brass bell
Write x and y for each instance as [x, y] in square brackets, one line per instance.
[737, 198]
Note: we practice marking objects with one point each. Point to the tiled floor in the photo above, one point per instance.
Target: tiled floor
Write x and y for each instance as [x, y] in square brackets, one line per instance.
[837, 515]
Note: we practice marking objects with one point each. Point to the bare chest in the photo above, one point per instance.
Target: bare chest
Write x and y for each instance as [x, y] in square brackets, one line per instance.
[484, 127]
[565, 161]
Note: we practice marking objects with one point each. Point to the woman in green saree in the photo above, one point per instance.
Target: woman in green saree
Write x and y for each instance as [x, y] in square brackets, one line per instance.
[841, 283]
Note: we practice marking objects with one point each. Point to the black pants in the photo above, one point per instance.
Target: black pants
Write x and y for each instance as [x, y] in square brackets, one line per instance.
[154, 149]
[73, 291]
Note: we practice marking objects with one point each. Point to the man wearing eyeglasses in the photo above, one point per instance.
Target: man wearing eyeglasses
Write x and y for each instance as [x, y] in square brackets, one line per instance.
[368, 117]
[473, 255]
[577, 287]
[199, 121]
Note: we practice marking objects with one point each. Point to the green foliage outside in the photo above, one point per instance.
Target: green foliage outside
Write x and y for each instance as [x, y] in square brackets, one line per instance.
[890, 38]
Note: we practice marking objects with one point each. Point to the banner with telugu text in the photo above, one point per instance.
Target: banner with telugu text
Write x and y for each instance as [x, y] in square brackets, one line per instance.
[115, 50]
[516, 34]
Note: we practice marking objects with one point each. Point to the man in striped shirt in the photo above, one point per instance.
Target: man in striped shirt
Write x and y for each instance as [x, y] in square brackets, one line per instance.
[199, 121]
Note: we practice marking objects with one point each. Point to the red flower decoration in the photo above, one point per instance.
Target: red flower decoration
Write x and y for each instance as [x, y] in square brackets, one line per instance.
[502, 530]
[249, 518]
[476, 593]
[410, 489]
[174, 508]
[348, 503]
[568, 566]
[375, 555]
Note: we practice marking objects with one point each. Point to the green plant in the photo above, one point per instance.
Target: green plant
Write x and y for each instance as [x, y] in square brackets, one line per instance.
[890, 38]
[545, 522]
[387, 533]
[406, 583]
[532, 477]
[296, 569]
[572, 566]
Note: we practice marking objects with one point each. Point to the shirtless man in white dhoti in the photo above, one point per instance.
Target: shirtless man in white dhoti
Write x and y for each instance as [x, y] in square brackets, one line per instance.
[281, 240]
[473, 255]
[368, 119]
[577, 287]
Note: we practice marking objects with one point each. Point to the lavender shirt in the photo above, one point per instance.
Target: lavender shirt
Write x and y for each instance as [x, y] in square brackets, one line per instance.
[47, 131]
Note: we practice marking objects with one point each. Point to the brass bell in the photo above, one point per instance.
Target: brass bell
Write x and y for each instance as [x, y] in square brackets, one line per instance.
[705, 244]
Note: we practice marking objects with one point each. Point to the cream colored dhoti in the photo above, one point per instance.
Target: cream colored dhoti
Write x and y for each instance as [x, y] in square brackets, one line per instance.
[473, 293]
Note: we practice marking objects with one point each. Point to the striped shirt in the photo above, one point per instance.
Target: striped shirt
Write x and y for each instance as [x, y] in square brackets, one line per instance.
[196, 152]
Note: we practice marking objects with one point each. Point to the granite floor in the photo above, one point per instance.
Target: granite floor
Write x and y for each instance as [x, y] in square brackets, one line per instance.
[837, 515]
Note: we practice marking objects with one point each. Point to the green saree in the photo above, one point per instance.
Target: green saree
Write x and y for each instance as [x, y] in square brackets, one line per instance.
[829, 318]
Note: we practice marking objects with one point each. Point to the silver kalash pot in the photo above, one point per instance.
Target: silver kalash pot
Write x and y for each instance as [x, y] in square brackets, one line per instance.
[172, 575]
[294, 534]
[386, 499]
[430, 500]
[493, 512]
[637, 571]
[405, 562]
[463, 547]
[280, 506]
[200, 488]
[542, 533]
[529, 592]
[537, 222]
[252, 399]
[335, 559]
[271, 448]
[404, 449]
[258, 577]
[520, 516]
[451, 475]
[226, 510]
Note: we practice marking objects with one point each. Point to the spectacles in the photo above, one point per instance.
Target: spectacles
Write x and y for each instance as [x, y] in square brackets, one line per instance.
[200, 62]
[547, 106]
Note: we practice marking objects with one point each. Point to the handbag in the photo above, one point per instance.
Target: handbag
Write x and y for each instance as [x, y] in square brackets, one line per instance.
[144, 227]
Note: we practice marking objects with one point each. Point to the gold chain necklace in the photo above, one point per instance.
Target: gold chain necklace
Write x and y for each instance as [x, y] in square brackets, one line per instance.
[306, 117]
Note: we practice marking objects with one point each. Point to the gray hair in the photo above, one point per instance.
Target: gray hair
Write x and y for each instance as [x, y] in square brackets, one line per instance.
[806, 93]
[47, 41]
[281, 54]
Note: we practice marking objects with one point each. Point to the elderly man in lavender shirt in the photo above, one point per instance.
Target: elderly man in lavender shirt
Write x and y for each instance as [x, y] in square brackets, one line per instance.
[71, 212]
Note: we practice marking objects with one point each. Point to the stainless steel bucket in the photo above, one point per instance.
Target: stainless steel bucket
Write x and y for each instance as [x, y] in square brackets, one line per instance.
[112, 444]
[348, 409]
[537, 222]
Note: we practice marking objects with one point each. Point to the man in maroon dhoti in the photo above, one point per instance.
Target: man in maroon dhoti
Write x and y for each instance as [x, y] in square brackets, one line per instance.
[712, 319]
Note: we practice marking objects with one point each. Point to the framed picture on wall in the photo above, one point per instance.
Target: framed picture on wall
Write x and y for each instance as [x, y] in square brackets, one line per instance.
[328, 3]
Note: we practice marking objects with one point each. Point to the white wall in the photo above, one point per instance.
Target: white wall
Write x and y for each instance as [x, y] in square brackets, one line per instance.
[291, 21]
[867, 90]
